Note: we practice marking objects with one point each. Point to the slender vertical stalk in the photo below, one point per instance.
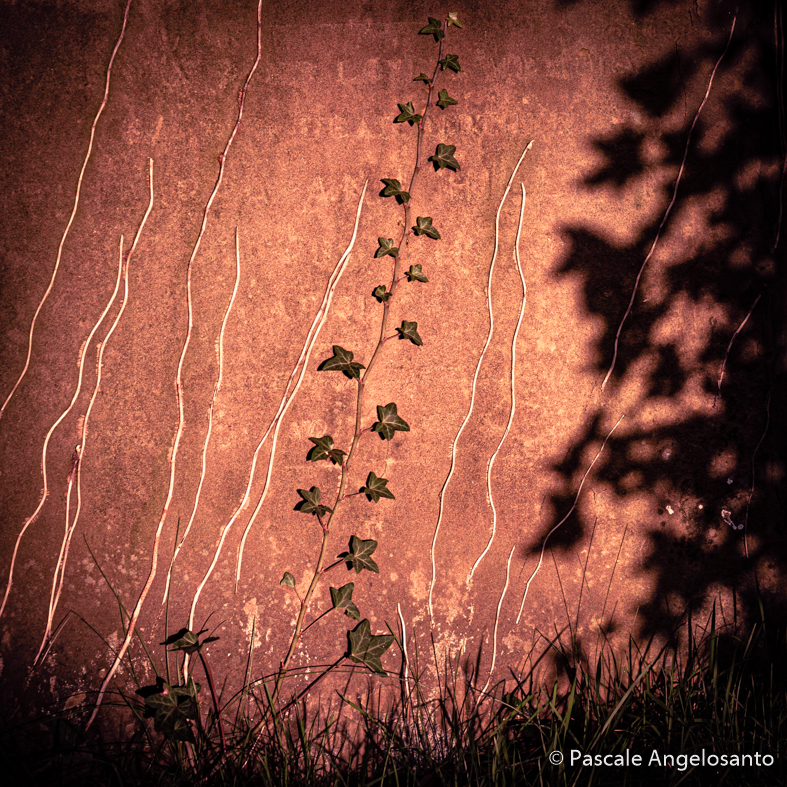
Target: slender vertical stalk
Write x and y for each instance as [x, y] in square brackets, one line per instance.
[573, 506]
[491, 463]
[481, 357]
[667, 211]
[79, 454]
[73, 209]
[179, 386]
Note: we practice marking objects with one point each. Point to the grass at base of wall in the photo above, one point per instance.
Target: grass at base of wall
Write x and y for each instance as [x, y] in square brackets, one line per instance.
[715, 715]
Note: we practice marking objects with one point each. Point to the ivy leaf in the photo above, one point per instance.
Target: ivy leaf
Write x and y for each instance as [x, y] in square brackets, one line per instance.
[311, 502]
[452, 62]
[414, 274]
[187, 641]
[381, 294]
[386, 247]
[424, 227]
[172, 708]
[366, 648]
[393, 188]
[389, 422]
[444, 157]
[343, 599]
[407, 114]
[445, 100]
[409, 330]
[423, 78]
[342, 361]
[288, 580]
[452, 20]
[323, 449]
[376, 488]
[360, 555]
[435, 28]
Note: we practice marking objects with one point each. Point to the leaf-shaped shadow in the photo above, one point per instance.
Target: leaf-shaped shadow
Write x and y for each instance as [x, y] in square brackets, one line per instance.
[623, 159]
[658, 88]
[705, 465]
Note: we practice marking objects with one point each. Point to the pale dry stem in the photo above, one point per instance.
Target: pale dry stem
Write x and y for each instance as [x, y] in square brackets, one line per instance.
[729, 347]
[61, 559]
[179, 390]
[216, 390]
[455, 442]
[209, 431]
[668, 210]
[45, 493]
[497, 621]
[84, 421]
[512, 410]
[73, 213]
[287, 399]
[570, 510]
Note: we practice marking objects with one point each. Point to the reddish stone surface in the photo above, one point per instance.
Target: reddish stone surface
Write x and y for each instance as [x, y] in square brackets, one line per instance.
[608, 93]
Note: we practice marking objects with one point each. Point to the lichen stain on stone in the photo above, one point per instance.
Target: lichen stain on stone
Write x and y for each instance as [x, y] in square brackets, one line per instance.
[251, 623]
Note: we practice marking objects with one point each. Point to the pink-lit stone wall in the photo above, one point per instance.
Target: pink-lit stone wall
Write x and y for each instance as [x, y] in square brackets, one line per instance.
[608, 92]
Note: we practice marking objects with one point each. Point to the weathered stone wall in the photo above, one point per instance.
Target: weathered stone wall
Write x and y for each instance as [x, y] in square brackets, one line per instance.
[609, 93]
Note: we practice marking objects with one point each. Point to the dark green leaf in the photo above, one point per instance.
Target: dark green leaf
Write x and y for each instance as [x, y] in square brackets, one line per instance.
[323, 449]
[393, 188]
[435, 28]
[342, 361]
[386, 247]
[423, 78]
[311, 502]
[444, 157]
[172, 708]
[288, 580]
[407, 114]
[452, 62]
[187, 641]
[367, 648]
[376, 488]
[409, 330]
[343, 599]
[389, 421]
[360, 555]
[414, 274]
[424, 227]
[445, 100]
[452, 20]
[381, 294]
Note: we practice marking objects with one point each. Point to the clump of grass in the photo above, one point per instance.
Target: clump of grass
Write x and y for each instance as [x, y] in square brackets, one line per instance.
[724, 694]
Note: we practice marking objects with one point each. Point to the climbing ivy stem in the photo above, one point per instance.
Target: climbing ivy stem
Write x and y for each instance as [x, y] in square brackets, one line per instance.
[360, 396]
[296, 635]
[399, 258]
[318, 570]
[422, 121]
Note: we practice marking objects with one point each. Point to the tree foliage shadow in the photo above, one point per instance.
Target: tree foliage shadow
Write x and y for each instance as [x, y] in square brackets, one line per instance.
[702, 464]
